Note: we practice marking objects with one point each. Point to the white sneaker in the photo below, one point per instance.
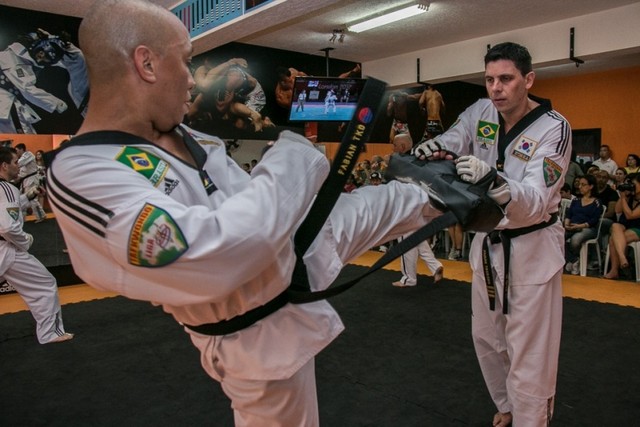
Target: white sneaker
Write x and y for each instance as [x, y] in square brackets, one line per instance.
[568, 267]
[575, 268]
[454, 255]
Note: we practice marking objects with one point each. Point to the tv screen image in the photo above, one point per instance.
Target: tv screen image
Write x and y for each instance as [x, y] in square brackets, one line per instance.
[324, 99]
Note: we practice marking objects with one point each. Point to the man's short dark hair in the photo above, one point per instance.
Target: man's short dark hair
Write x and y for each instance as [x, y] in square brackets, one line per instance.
[511, 52]
[6, 154]
[21, 146]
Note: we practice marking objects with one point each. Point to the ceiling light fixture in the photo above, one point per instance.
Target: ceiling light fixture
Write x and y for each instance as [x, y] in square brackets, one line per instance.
[388, 17]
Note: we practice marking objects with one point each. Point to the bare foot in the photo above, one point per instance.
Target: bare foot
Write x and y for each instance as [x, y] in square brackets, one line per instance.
[610, 275]
[502, 419]
[439, 275]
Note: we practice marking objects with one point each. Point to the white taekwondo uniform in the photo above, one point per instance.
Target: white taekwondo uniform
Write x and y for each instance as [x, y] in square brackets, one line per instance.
[518, 351]
[213, 243]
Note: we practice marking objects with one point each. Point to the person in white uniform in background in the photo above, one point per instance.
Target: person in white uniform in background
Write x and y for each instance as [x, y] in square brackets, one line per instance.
[517, 300]
[32, 281]
[30, 179]
[18, 90]
[403, 143]
[178, 223]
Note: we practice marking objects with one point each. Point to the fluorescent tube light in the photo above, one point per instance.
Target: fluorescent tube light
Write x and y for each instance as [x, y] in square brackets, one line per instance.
[379, 21]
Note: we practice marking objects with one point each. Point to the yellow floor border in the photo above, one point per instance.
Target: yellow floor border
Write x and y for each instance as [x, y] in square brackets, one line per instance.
[588, 288]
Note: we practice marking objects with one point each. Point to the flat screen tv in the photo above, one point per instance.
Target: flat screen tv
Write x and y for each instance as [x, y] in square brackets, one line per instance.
[324, 99]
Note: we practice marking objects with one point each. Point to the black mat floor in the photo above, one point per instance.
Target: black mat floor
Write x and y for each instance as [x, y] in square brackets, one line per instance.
[406, 359]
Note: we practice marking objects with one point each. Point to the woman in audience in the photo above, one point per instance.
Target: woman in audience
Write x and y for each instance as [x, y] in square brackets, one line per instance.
[581, 222]
[619, 177]
[633, 164]
[575, 190]
[627, 229]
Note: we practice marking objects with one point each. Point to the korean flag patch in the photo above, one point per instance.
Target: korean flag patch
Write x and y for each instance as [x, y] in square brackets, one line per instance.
[524, 149]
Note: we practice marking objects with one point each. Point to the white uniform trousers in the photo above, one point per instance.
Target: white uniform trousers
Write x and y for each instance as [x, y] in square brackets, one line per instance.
[518, 352]
[409, 262]
[282, 403]
[39, 290]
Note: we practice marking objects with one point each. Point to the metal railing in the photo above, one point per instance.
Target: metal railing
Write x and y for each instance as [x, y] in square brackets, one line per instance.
[200, 16]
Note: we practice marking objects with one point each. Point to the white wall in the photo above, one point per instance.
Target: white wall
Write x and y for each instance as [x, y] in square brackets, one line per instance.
[596, 34]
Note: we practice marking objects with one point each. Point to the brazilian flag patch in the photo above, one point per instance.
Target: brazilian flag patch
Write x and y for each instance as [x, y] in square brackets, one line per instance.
[487, 132]
[552, 171]
[151, 167]
[155, 239]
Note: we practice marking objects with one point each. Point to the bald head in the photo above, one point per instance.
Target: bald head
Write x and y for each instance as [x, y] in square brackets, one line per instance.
[402, 143]
[112, 29]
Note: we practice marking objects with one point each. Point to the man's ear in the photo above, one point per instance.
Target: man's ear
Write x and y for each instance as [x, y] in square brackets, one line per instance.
[529, 78]
[144, 61]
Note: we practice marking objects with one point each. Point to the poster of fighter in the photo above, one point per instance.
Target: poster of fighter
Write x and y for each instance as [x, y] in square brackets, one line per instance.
[43, 77]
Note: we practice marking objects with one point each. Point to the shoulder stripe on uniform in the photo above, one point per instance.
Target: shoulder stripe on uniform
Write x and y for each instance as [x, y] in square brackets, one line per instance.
[77, 207]
[81, 200]
[78, 219]
[8, 191]
[563, 143]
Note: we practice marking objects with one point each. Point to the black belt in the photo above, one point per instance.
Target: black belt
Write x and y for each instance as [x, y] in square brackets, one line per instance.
[357, 134]
[299, 295]
[504, 237]
[242, 321]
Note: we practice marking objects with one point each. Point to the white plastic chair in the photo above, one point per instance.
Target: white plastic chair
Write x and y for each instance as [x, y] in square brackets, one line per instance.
[584, 249]
[564, 206]
[635, 247]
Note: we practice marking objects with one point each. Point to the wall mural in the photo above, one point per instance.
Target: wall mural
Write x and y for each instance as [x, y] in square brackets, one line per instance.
[43, 82]
[242, 91]
[246, 92]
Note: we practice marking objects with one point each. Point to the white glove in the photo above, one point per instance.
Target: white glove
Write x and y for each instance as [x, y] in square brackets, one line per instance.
[29, 240]
[425, 150]
[61, 107]
[472, 169]
[500, 192]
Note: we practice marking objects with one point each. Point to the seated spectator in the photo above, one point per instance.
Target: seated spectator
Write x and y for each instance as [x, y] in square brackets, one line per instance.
[573, 171]
[575, 188]
[375, 178]
[581, 222]
[605, 162]
[625, 231]
[619, 177]
[363, 170]
[592, 169]
[565, 191]
[566, 197]
[633, 164]
[607, 195]
[378, 164]
[350, 185]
